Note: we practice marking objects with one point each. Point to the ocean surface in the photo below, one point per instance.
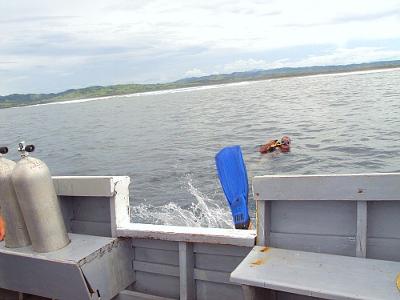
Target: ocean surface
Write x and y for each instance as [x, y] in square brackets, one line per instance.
[166, 141]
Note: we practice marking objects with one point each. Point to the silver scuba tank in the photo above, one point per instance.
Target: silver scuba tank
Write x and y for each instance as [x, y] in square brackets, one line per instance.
[16, 232]
[39, 203]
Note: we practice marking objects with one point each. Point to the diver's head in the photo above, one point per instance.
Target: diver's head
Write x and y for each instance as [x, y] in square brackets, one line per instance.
[285, 143]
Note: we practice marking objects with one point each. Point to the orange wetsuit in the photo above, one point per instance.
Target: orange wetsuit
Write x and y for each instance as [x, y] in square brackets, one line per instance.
[269, 146]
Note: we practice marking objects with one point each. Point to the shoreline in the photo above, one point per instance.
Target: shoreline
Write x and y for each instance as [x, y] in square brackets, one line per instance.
[206, 87]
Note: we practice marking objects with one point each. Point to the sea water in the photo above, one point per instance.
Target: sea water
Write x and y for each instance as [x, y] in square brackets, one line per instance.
[166, 141]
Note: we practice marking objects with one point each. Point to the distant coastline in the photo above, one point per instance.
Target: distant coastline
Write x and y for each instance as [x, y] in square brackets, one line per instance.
[99, 92]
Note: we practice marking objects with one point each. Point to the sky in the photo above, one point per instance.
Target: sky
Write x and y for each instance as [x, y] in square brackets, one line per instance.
[52, 45]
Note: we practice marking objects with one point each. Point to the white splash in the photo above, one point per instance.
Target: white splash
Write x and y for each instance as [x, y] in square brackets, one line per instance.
[205, 212]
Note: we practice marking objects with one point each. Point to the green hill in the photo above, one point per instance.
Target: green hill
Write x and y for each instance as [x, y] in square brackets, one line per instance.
[124, 89]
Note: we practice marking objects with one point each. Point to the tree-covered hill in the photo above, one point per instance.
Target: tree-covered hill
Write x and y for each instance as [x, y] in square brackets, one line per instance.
[124, 89]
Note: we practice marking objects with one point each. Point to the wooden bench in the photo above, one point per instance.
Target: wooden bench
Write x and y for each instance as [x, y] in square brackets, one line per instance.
[319, 275]
[328, 236]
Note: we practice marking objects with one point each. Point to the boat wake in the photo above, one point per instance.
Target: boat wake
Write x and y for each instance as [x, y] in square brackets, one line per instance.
[203, 212]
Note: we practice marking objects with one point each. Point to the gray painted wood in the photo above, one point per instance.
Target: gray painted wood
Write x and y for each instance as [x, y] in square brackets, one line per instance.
[213, 276]
[155, 244]
[189, 234]
[87, 264]
[110, 270]
[87, 215]
[383, 248]
[361, 238]
[156, 268]
[92, 228]
[66, 210]
[157, 256]
[315, 243]
[254, 293]
[216, 262]
[290, 296]
[45, 278]
[364, 187]
[157, 284]
[314, 217]
[94, 209]
[119, 204]
[81, 247]
[383, 219]
[320, 275]
[132, 295]
[84, 185]
[206, 290]
[186, 269]
[8, 295]
[221, 249]
[263, 216]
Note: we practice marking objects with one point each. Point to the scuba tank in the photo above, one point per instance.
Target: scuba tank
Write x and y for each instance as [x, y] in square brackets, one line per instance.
[39, 203]
[16, 234]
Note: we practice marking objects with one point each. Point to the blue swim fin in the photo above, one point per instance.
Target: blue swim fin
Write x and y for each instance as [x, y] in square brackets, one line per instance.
[233, 177]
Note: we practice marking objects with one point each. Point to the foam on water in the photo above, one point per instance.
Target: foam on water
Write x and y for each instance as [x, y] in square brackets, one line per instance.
[204, 212]
[339, 124]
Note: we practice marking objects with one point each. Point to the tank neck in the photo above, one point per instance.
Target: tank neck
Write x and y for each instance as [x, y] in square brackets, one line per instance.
[24, 150]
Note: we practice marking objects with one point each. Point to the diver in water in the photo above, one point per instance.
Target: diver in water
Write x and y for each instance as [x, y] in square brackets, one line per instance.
[2, 228]
[283, 145]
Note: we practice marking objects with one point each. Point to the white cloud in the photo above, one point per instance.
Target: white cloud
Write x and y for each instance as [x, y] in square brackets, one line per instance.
[194, 73]
[349, 56]
[60, 35]
[253, 64]
[340, 56]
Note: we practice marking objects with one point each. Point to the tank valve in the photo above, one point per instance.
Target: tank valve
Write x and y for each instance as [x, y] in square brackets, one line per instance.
[25, 150]
[3, 150]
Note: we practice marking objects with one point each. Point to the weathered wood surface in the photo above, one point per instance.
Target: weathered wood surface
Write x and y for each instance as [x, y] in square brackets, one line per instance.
[221, 249]
[88, 265]
[186, 270]
[383, 248]
[159, 256]
[354, 187]
[314, 217]
[263, 225]
[189, 234]
[319, 275]
[156, 244]
[92, 228]
[132, 295]
[206, 290]
[107, 195]
[200, 264]
[340, 245]
[213, 276]
[98, 186]
[361, 237]
[213, 262]
[119, 203]
[45, 278]
[154, 268]
[384, 219]
[157, 284]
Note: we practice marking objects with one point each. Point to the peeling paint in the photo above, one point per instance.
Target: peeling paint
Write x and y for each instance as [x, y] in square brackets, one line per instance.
[258, 262]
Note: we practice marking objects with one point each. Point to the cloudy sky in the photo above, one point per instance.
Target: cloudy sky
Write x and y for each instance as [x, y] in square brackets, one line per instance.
[54, 45]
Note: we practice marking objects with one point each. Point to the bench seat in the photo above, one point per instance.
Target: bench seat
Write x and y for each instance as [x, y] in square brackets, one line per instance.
[319, 275]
